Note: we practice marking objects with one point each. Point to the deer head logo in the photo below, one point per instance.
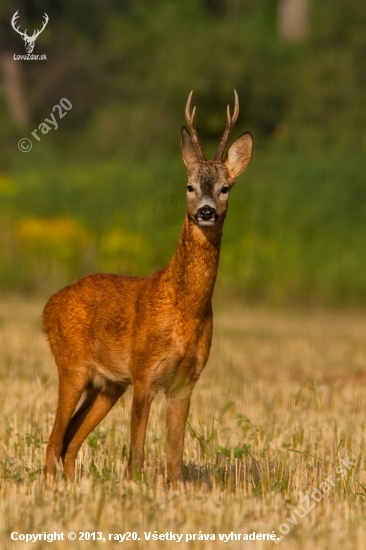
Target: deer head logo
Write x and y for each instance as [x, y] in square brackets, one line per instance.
[28, 40]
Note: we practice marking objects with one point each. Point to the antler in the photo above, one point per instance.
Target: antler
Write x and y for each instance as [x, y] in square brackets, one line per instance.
[13, 21]
[36, 33]
[192, 127]
[229, 126]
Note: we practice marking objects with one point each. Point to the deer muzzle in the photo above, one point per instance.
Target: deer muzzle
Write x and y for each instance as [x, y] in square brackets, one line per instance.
[206, 215]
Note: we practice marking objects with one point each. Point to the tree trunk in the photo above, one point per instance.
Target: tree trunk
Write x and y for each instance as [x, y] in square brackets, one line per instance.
[293, 19]
[12, 84]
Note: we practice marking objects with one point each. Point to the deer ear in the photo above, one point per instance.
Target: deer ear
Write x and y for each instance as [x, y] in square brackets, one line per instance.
[189, 153]
[239, 155]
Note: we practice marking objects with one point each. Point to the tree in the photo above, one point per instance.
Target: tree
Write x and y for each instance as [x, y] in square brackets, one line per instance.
[293, 19]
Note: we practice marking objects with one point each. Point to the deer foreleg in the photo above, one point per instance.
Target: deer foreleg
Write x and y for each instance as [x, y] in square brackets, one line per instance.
[176, 419]
[141, 403]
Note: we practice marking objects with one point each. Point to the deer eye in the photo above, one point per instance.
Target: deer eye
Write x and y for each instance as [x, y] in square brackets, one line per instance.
[190, 188]
[224, 190]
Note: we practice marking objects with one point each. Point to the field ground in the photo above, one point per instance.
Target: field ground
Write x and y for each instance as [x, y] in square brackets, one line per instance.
[281, 402]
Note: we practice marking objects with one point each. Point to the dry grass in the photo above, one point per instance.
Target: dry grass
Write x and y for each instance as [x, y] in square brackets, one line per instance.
[281, 401]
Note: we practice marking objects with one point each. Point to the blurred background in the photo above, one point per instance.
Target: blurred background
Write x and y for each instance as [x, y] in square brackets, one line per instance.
[106, 190]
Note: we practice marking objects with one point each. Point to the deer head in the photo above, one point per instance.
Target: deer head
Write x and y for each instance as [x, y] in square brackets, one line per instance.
[28, 40]
[210, 181]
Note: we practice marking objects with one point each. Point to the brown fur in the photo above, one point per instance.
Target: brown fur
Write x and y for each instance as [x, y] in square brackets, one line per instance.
[108, 331]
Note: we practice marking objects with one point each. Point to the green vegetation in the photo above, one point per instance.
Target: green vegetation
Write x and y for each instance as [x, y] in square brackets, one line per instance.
[106, 190]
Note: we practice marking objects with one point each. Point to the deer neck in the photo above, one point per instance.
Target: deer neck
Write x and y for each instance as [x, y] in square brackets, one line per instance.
[193, 269]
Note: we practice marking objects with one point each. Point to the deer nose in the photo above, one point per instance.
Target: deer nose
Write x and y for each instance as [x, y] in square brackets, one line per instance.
[206, 213]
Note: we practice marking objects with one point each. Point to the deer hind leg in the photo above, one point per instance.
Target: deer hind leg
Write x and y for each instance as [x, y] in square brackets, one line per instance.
[77, 419]
[70, 391]
[97, 405]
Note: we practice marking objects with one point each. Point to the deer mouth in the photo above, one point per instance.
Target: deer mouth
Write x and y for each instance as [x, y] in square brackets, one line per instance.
[207, 223]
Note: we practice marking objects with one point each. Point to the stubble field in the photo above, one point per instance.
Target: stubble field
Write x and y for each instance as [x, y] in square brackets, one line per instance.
[276, 428]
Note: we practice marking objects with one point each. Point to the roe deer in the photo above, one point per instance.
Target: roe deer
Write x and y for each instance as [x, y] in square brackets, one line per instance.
[109, 331]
